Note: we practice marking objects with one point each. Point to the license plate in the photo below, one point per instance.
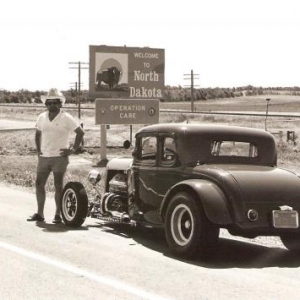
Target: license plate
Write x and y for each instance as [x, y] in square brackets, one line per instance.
[285, 219]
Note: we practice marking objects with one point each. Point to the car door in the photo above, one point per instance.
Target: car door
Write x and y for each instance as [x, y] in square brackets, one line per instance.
[168, 171]
[144, 170]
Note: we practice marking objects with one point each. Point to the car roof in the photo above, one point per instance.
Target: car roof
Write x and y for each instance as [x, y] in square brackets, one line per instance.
[187, 129]
[189, 149]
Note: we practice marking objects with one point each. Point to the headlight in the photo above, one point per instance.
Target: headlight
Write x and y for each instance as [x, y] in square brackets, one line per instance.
[94, 177]
[252, 215]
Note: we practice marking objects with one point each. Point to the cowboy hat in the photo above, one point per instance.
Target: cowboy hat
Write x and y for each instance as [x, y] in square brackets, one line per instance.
[53, 94]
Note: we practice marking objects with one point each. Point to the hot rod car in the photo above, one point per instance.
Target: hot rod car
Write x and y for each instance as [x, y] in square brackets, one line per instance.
[192, 180]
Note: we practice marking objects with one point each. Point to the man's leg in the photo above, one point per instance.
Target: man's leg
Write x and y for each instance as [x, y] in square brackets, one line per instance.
[58, 184]
[41, 179]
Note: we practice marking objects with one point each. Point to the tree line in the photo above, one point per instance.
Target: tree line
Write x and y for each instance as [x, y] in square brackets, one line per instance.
[171, 94]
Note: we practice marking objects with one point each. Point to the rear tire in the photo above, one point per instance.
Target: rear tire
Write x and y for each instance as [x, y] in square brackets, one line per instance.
[188, 231]
[74, 204]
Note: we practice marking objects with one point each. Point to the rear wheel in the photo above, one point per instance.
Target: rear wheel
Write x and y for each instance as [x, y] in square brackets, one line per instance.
[188, 231]
[74, 204]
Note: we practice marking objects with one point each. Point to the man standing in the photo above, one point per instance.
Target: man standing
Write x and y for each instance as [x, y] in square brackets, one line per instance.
[52, 144]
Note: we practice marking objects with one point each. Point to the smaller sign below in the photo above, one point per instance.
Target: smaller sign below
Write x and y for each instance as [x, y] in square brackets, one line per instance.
[126, 111]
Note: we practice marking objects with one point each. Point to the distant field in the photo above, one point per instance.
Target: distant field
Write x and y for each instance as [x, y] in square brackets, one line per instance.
[277, 103]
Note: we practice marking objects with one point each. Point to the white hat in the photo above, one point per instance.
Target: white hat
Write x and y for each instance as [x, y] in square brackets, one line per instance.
[54, 94]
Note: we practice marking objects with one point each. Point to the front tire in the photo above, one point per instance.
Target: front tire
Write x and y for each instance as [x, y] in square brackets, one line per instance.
[74, 204]
[188, 231]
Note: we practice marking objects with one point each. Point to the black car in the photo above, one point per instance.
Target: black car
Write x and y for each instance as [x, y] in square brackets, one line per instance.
[192, 180]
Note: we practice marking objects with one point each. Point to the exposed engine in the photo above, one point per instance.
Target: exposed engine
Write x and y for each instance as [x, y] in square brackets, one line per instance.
[113, 202]
[118, 184]
[113, 205]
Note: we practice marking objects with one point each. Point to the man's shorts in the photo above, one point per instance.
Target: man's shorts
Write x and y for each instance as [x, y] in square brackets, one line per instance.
[57, 164]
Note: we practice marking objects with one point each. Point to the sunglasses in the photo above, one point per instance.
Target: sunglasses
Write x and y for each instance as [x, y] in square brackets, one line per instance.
[48, 103]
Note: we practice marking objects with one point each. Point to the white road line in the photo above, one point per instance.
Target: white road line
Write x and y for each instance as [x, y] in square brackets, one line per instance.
[72, 269]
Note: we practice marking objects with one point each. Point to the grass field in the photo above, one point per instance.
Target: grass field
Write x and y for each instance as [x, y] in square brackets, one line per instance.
[17, 148]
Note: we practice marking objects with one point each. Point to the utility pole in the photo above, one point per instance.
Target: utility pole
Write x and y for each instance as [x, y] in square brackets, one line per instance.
[192, 77]
[267, 111]
[78, 67]
[74, 85]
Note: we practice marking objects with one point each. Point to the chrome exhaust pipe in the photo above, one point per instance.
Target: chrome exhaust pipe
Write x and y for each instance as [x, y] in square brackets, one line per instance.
[123, 217]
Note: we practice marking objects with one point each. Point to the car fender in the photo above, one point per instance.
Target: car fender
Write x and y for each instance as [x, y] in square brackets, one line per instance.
[123, 163]
[212, 198]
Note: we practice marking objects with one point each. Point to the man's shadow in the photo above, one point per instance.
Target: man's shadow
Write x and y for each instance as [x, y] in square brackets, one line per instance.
[50, 227]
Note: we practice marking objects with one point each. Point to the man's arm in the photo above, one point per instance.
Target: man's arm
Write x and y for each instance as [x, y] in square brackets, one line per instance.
[78, 139]
[38, 138]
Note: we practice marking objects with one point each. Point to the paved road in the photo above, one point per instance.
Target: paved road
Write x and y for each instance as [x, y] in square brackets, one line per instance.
[47, 261]
[14, 125]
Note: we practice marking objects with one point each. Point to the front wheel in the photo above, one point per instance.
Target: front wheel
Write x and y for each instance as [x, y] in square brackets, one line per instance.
[74, 204]
[188, 231]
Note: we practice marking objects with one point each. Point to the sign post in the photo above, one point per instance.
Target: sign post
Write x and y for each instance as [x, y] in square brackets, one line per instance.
[103, 145]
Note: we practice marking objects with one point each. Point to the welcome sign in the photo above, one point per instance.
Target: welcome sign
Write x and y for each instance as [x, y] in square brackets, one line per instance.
[126, 72]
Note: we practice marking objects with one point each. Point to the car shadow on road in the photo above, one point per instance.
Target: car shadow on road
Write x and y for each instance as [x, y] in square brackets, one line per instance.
[228, 254]
[241, 254]
[49, 227]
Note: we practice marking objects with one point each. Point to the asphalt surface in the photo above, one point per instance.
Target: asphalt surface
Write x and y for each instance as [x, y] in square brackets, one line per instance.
[98, 261]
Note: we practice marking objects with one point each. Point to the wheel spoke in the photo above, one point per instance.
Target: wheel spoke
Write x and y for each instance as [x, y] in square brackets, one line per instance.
[69, 206]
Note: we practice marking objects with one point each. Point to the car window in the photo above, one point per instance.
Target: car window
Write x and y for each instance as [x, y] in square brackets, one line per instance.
[233, 148]
[149, 148]
[169, 149]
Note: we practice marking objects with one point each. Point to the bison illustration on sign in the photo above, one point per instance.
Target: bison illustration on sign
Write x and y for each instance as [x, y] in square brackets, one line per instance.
[110, 76]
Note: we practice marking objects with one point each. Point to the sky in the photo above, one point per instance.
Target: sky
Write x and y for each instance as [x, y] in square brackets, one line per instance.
[228, 43]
